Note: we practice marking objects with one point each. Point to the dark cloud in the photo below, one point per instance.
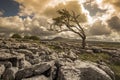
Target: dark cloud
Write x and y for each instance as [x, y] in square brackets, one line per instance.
[93, 8]
[10, 7]
[98, 28]
[114, 23]
[1, 13]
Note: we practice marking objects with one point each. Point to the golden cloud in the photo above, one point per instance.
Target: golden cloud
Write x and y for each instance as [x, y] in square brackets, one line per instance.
[29, 6]
[114, 3]
[70, 6]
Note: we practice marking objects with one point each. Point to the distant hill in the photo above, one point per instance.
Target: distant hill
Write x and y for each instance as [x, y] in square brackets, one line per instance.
[59, 38]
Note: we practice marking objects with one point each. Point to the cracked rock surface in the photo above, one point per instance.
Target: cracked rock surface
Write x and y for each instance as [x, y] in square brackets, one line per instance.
[30, 61]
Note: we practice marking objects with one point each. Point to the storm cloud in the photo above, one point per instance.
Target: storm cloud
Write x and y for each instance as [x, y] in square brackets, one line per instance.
[99, 28]
[1, 13]
[93, 8]
[114, 23]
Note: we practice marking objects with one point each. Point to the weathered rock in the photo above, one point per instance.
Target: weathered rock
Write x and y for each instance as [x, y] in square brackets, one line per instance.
[26, 53]
[5, 50]
[89, 51]
[107, 70]
[110, 52]
[24, 64]
[42, 67]
[4, 45]
[9, 73]
[37, 69]
[24, 73]
[7, 64]
[2, 69]
[13, 58]
[24, 46]
[42, 77]
[33, 49]
[44, 56]
[72, 55]
[35, 61]
[67, 67]
[53, 56]
[82, 71]
[97, 49]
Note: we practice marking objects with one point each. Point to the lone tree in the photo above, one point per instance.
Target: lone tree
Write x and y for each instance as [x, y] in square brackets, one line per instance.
[69, 21]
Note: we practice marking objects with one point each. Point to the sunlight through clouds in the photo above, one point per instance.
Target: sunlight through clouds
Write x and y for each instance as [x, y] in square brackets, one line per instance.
[98, 16]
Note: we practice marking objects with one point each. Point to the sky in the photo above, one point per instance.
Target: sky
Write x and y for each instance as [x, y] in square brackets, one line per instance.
[101, 18]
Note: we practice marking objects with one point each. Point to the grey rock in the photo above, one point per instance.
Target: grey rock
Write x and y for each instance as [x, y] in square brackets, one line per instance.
[5, 50]
[12, 58]
[89, 51]
[107, 70]
[24, 73]
[26, 52]
[9, 73]
[37, 69]
[2, 69]
[35, 61]
[80, 70]
[25, 64]
[97, 49]
[42, 77]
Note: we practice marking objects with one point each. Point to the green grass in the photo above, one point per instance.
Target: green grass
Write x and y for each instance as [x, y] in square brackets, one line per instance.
[55, 48]
[94, 57]
[116, 69]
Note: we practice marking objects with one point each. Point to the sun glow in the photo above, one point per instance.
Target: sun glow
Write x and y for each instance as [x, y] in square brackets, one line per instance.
[99, 1]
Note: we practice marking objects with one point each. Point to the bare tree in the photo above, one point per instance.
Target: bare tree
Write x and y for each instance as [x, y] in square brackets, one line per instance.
[70, 20]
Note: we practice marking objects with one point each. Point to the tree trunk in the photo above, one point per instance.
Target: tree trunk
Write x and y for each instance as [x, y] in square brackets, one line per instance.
[83, 43]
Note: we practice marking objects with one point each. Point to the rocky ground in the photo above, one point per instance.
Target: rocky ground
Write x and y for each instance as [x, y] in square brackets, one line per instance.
[29, 60]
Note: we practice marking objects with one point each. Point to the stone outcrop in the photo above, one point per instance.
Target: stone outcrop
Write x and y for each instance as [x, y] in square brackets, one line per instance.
[80, 70]
[30, 61]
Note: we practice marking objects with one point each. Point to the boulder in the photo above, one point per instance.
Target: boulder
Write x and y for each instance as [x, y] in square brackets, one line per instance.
[35, 61]
[24, 73]
[2, 69]
[23, 46]
[24, 64]
[37, 69]
[42, 77]
[5, 50]
[80, 70]
[26, 52]
[96, 49]
[107, 70]
[9, 73]
[89, 51]
[71, 55]
[33, 49]
[12, 58]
